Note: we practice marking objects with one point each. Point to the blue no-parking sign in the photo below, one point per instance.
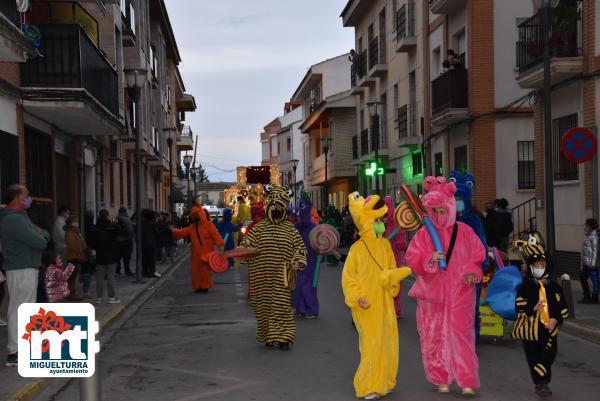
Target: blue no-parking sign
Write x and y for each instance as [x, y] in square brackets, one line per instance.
[579, 145]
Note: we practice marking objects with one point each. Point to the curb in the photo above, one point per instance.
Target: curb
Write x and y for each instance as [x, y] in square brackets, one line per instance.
[581, 331]
[32, 389]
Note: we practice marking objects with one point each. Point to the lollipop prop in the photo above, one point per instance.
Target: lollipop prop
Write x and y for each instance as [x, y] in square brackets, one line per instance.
[217, 263]
[422, 215]
[324, 239]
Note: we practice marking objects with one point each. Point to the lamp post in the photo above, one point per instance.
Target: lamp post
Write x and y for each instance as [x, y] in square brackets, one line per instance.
[187, 162]
[544, 7]
[325, 141]
[294, 167]
[136, 79]
[170, 132]
[194, 174]
[374, 107]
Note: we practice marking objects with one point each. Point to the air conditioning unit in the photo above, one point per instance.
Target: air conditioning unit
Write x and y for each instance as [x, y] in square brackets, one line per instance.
[116, 151]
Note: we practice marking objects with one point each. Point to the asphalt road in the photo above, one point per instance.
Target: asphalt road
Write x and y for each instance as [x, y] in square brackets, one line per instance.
[182, 346]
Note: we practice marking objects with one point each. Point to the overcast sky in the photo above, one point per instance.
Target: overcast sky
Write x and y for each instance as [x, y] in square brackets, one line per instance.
[242, 60]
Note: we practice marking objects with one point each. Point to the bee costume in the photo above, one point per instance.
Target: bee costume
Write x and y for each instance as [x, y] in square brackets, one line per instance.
[539, 343]
[270, 276]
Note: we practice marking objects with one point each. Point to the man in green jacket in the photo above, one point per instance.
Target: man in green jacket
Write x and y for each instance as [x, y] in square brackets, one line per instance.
[23, 244]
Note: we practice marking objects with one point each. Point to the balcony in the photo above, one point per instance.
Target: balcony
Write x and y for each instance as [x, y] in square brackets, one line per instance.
[128, 15]
[185, 141]
[354, 147]
[358, 73]
[445, 6]
[377, 57]
[407, 126]
[14, 48]
[72, 86]
[449, 94]
[406, 40]
[565, 50]
[364, 142]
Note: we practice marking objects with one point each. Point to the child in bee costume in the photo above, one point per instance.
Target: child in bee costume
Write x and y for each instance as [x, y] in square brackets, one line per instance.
[541, 309]
[272, 274]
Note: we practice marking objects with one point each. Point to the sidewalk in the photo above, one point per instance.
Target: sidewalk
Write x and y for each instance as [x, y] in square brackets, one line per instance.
[585, 324]
[16, 388]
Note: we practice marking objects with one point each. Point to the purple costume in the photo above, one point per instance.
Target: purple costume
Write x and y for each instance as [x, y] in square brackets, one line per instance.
[304, 296]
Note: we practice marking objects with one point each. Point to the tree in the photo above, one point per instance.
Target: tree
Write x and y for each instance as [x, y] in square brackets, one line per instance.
[201, 174]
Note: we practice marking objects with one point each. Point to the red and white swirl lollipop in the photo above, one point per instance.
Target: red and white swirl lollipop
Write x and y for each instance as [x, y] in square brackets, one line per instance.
[217, 262]
[325, 240]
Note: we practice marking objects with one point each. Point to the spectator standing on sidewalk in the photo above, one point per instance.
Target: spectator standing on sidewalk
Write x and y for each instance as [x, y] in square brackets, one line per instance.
[76, 254]
[589, 262]
[125, 241]
[58, 230]
[107, 253]
[149, 243]
[22, 246]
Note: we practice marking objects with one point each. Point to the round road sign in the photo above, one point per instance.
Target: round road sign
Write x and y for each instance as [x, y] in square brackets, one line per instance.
[579, 145]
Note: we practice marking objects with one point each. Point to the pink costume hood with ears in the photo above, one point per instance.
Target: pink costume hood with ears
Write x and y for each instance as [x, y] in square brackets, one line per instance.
[440, 194]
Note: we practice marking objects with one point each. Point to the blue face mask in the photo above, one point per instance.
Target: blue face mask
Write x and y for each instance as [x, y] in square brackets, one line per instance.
[460, 205]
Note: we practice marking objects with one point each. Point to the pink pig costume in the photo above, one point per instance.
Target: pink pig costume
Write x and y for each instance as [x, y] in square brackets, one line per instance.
[446, 303]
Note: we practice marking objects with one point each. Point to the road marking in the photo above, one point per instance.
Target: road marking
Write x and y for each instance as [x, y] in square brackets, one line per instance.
[236, 385]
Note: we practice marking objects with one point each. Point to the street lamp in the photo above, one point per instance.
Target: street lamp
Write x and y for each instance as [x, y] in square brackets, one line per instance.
[194, 173]
[170, 133]
[325, 141]
[544, 6]
[374, 110]
[187, 162]
[294, 167]
[136, 78]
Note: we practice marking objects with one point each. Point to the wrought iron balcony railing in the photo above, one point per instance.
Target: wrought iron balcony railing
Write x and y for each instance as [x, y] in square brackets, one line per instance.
[71, 60]
[564, 39]
[450, 90]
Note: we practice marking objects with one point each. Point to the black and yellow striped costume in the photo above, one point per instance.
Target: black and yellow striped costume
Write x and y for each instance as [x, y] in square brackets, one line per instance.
[279, 244]
[540, 344]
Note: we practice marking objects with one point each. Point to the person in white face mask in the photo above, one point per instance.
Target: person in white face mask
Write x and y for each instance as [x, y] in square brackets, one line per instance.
[542, 308]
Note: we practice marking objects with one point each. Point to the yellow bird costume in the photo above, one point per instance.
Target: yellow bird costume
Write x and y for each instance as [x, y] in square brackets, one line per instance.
[370, 273]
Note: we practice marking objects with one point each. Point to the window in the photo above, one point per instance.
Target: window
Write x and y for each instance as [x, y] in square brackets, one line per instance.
[9, 162]
[152, 60]
[564, 169]
[38, 159]
[289, 144]
[438, 163]
[124, 7]
[461, 159]
[436, 63]
[131, 18]
[129, 197]
[278, 148]
[526, 164]
[417, 163]
[396, 103]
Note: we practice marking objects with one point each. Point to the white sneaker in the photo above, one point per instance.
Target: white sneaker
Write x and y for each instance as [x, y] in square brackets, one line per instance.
[157, 275]
[114, 300]
[372, 396]
[99, 300]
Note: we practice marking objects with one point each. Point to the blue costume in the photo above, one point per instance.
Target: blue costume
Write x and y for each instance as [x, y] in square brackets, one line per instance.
[304, 296]
[226, 227]
[464, 213]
